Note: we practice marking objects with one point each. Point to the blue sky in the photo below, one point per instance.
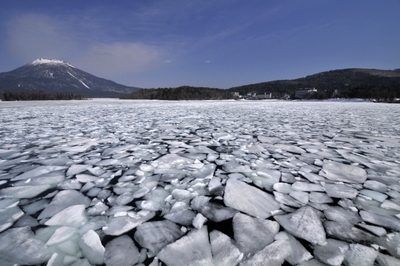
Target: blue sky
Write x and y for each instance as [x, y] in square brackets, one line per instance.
[215, 43]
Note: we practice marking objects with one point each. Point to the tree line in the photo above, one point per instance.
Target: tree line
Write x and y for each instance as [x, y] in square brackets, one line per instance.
[384, 93]
[40, 96]
[181, 93]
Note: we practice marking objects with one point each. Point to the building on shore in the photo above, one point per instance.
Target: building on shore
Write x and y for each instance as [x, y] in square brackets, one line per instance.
[305, 93]
[258, 96]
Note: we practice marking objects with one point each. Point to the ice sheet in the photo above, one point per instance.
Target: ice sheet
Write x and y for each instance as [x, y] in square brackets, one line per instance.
[87, 177]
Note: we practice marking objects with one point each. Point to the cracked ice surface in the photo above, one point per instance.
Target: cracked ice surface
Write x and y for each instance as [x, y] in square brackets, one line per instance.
[109, 182]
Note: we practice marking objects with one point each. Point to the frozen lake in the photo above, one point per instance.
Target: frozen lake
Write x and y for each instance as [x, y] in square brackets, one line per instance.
[112, 182]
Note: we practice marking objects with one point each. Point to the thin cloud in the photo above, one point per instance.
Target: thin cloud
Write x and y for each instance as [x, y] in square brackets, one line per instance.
[119, 58]
[33, 35]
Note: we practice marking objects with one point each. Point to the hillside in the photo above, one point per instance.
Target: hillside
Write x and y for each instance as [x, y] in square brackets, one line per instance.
[180, 93]
[56, 76]
[355, 82]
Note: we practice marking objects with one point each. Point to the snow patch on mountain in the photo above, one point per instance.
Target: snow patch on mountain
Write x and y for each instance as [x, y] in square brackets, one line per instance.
[83, 83]
[50, 61]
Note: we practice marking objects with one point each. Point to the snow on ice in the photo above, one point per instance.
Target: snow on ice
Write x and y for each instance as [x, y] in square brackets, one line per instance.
[110, 182]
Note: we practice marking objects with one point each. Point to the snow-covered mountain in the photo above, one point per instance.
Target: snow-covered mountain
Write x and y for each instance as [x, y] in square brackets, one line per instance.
[52, 75]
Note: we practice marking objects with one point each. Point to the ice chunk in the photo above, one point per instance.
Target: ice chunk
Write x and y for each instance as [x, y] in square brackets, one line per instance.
[61, 234]
[312, 262]
[346, 232]
[55, 260]
[234, 167]
[121, 224]
[181, 194]
[124, 198]
[154, 199]
[253, 148]
[373, 195]
[93, 192]
[390, 205]
[304, 223]
[272, 255]
[38, 171]
[340, 191]
[265, 139]
[201, 149]
[142, 191]
[290, 148]
[70, 184]
[36, 206]
[20, 192]
[303, 186]
[8, 203]
[392, 243]
[287, 200]
[332, 253]
[320, 198]
[26, 220]
[385, 260]
[343, 172]
[77, 262]
[298, 252]
[360, 255]
[62, 200]
[121, 251]
[98, 208]
[313, 178]
[70, 247]
[95, 223]
[216, 212]
[248, 199]
[9, 153]
[377, 230]
[183, 217]
[20, 246]
[52, 179]
[97, 171]
[9, 216]
[199, 220]
[192, 249]
[198, 202]
[215, 186]
[353, 157]
[382, 220]
[156, 235]
[76, 169]
[224, 251]
[73, 216]
[266, 178]
[92, 248]
[282, 188]
[300, 196]
[84, 178]
[252, 234]
[171, 161]
[206, 172]
[376, 186]
[338, 214]
[76, 149]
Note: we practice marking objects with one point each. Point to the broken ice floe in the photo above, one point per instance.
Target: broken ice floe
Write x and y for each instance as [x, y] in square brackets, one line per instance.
[200, 183]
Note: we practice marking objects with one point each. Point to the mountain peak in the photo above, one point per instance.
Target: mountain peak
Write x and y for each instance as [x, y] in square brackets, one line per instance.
[54, 76]
[49, 62]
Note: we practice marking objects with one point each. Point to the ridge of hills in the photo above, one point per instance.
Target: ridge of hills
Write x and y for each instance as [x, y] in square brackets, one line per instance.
[51, 76]
[344, 81]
